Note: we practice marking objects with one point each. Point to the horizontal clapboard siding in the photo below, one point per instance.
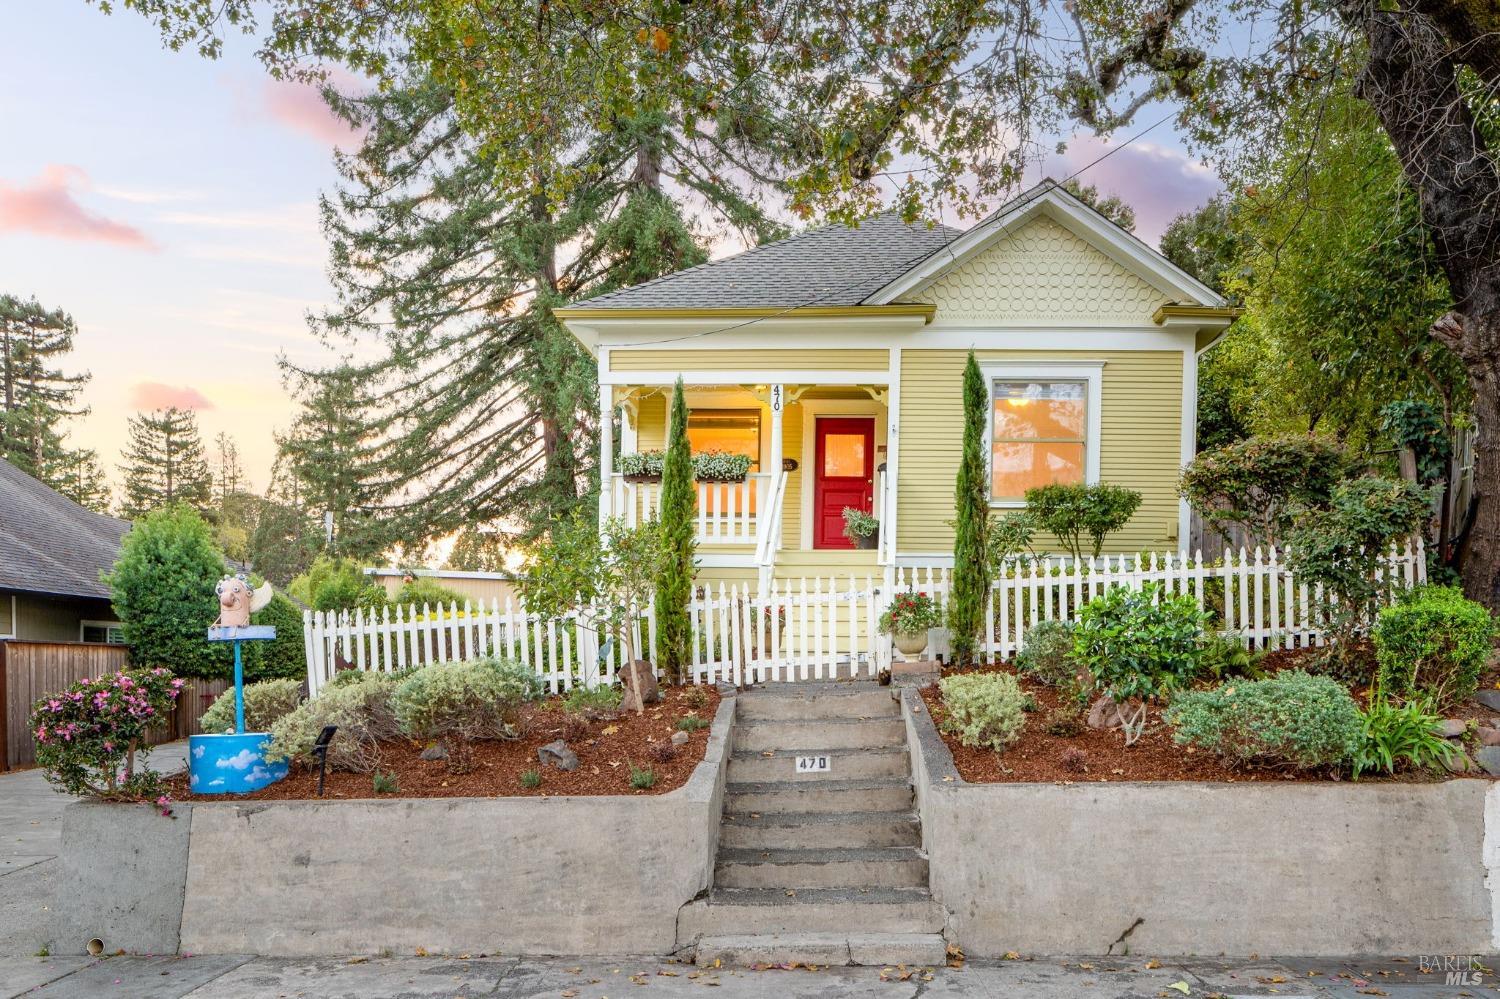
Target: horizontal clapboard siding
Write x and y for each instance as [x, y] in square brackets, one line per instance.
[624, 359]
[1141, 423]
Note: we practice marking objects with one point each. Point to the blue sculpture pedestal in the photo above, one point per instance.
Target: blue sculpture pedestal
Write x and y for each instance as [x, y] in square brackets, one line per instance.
[233, 763]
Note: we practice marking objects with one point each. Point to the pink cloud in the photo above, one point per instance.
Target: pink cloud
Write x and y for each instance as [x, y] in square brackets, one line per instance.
[301, 108]
[48, 207]
[1160, 183]
[155, 395]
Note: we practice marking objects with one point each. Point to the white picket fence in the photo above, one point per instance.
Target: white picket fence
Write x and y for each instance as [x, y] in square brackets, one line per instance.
[1249, 595]
[825, 627]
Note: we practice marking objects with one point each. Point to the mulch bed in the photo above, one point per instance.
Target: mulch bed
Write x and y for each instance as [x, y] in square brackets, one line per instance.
[607, 746]
[1096, 755]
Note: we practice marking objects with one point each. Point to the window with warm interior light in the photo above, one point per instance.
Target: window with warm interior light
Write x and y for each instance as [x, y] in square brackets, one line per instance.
[1038, 434]
[734, 430]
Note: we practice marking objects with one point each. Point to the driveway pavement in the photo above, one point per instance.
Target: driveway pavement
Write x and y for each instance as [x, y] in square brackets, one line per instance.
[30, 831]
[421, 978]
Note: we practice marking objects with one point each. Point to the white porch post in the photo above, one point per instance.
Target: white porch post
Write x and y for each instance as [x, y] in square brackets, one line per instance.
[892, 469]
[606, 452]
[778, 403]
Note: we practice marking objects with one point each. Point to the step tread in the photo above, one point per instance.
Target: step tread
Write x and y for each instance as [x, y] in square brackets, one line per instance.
[786, 754]
[819, 855]
[818, 896]
[802, 786]
[778, 820]
[817, 722]
[813, 688]
[848, 948]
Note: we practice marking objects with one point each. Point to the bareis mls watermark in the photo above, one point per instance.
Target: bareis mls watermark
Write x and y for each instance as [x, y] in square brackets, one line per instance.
[1456, 969]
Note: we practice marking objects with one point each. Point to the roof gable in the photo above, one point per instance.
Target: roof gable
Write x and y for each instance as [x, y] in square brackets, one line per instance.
[51, 544]
[1049, 199]
[1041, 273]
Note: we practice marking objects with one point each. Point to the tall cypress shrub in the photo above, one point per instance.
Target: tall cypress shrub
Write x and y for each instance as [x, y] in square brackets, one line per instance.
[675, 585]
[971, 571]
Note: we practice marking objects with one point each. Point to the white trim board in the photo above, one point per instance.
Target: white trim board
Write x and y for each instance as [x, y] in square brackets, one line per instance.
[1091, 373]
[1042, 336]
[1048, 198]
[744, 376]
[14, 624]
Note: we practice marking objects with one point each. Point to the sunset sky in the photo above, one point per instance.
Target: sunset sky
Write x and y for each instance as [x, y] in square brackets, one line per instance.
[169, 203]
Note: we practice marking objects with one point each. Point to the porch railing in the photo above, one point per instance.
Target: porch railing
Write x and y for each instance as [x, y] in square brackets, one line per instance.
[729, 513]
[769, 541]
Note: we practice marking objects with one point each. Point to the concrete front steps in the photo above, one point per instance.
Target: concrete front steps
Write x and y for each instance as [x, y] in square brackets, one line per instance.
[818, 868]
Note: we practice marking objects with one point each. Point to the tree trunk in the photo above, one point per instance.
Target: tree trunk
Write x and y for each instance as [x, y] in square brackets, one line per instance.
[1481, 572]
[1411, 81]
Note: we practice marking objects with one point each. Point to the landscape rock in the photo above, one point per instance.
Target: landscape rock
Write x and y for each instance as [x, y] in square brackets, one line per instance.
[1488, 757]
[1452, 728]
[435, 752]
[679, 738]
[1488, 736]
[641, 687]
[1105, 714]
[558, 754]
[1489, 698]
[1459, 763]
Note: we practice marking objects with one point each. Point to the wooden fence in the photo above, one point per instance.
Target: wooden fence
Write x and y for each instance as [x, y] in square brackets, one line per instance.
[822, 628]
[1250, 595]
[30, 671]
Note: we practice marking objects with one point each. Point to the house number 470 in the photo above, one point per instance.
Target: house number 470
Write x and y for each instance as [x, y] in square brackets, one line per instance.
[812, 764]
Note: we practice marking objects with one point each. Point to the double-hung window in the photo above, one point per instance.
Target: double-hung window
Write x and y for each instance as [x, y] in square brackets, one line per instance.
[1044, 428]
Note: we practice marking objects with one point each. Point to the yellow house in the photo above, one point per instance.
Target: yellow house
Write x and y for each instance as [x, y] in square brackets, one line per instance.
[833, 360]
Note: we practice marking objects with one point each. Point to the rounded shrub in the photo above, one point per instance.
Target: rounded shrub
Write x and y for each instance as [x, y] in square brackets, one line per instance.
[1138, 645]
[89, 735]
[466, 701]
[266, 703]
[1047, 654]
[1293, 719]
[359, 704]
[1434, 643]
[985, 710]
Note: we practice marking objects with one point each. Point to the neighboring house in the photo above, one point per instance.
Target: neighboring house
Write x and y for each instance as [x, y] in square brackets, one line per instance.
[482, 588]
[51, 554]
[834, 360]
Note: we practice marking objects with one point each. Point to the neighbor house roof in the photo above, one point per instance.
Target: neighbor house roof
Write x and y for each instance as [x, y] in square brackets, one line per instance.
[831, 266]
[48, 543]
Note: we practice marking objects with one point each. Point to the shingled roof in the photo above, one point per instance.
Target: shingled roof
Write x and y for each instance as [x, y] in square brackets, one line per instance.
[834, 265]
[48, 543]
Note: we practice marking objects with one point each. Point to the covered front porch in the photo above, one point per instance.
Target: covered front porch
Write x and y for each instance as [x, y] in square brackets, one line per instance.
[816, 444]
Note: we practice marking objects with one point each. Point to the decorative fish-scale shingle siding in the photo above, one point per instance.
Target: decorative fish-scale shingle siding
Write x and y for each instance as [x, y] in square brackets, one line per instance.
[1042, 273]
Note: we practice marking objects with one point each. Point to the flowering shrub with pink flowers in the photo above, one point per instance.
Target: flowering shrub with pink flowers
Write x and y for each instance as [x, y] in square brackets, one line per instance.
[88, 736]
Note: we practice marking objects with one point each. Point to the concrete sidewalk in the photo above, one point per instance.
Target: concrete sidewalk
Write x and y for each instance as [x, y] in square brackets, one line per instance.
[418, 978]
[30, 831]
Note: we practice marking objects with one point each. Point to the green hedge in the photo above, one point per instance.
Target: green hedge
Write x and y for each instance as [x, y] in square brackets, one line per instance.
[1434, 643]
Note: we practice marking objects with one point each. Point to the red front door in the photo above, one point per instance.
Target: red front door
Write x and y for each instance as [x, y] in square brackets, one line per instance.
[843, 475]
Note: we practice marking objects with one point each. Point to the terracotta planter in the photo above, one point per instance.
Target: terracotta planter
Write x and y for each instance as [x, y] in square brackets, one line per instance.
[643, 477]
[912, 643]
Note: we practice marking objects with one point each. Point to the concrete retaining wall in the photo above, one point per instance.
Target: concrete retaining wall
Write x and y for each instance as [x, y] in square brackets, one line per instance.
[121, 878]
[1198, 868]
[565, 875]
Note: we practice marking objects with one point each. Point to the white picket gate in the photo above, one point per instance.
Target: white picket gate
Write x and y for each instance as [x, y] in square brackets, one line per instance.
[825, 627]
